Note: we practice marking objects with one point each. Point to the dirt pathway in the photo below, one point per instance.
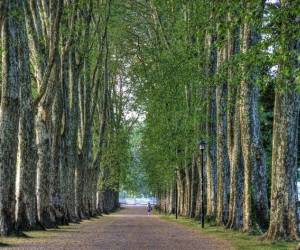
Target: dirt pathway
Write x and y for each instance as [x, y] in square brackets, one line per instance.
[128, 229]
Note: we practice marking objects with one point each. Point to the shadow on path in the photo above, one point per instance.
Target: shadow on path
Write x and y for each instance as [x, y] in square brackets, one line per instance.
[128, 229]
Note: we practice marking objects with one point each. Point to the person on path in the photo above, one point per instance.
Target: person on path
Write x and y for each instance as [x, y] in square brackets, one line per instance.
[149, 209]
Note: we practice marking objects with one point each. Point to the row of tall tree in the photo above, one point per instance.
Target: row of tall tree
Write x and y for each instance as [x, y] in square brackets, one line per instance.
[223, 71]
[61, 113]
[226, 72]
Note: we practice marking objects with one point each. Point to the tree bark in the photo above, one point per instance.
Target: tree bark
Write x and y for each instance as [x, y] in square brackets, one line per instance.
[26, 206]
[235, 220]
[222, 151]
[9, 114]
[43, 138]
[71, 89]
[194, 185]
[44, 37]
[187, 200]
[86, 165]
[283, 221]
[211, 165]
[284, 166]
[55, 173]
[253, 153]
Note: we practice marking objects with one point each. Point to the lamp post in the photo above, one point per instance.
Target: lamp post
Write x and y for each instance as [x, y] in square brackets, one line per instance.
[176, 195]
[165, 201]
[202, 145]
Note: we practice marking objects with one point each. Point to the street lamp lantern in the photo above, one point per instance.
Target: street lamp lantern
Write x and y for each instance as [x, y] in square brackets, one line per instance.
[202, 145]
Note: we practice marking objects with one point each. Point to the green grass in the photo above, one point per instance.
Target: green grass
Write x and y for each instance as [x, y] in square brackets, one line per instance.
[238, 240]
[41, 236]
[34, 236]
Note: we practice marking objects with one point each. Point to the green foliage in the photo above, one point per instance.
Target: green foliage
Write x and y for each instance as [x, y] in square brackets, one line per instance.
[158, 49]
[133, 177]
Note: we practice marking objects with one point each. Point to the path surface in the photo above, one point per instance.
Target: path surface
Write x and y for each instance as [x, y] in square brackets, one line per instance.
[128, 229]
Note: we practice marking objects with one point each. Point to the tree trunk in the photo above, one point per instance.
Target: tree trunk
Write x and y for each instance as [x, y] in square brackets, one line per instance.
[45, 172]
[284, 167]
[87, 164]
[65, 179]
[253, 154]
[211, 165]
[9, 114]
[235, 220]
[72, 137]
[26, 207]
[283, 222]
[194, 185]
[43, 138]
[234, 131]
[232, 49]
[187, 200]
[180, 191]
[44, 28]
[222, 151]
[55, 173]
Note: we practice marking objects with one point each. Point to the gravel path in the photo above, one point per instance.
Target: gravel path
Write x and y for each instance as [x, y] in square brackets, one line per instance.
[128, 229]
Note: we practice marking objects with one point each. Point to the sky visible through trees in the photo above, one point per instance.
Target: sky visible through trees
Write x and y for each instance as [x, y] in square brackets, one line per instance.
[99, 97]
